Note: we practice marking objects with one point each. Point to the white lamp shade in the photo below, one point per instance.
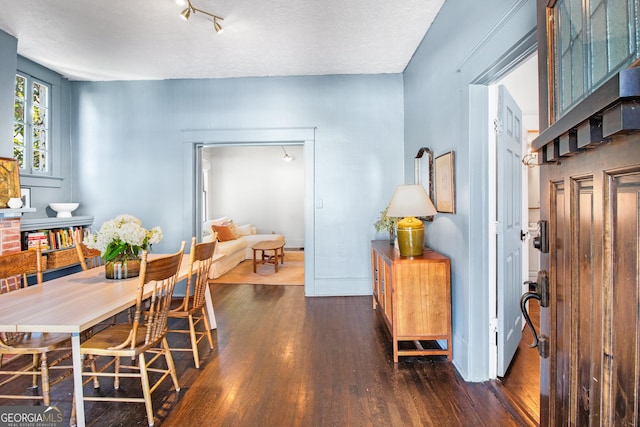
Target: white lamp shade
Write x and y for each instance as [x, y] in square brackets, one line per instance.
[411, 200]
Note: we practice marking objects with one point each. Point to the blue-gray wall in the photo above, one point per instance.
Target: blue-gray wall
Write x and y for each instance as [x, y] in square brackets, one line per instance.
[465, 41]
[128, 146]
[8, 60]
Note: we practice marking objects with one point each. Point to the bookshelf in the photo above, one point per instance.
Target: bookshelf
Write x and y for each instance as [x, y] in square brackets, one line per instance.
[53, 234]
[57, 262]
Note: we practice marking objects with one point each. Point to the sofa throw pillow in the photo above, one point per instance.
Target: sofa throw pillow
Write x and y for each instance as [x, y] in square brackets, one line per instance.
[224, 232]
[234, 229]
[245, 230]
[206, 226]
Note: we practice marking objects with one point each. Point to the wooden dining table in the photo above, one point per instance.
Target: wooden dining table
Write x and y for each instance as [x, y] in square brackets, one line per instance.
[72, 304]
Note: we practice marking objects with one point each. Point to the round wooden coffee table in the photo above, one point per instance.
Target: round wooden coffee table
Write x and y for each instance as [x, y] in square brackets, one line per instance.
[277, 246]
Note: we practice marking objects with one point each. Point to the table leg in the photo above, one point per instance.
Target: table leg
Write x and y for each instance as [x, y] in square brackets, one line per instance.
[275, 260]
[210, 313]
[77, 378]
[254, 259]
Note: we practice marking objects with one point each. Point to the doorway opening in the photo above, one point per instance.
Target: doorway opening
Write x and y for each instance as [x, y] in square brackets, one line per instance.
[195, 140]
[256, 185]
[519, 371]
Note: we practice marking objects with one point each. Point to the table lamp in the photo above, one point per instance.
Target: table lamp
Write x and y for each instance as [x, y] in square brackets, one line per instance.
[410, 201]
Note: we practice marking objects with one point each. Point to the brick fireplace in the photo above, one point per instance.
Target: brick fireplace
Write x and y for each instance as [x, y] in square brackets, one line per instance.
[10, 235]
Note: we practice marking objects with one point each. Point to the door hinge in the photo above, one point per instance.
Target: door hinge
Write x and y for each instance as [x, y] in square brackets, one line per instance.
[497, 126]
[496, 227]
[493, 324]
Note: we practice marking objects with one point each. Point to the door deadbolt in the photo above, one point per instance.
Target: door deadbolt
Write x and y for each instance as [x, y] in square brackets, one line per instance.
[541, 241]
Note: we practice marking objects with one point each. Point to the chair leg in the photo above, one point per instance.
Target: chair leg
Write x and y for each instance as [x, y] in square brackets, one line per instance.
[146, 391]
[170, 365]
[116, 379]
[207, 327]
[194, 342]
[72, 418]
[34, 367]
[44, 371]
[92, 365]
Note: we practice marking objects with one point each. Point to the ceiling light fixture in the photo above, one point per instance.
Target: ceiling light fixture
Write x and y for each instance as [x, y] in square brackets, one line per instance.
[217, 25]
[286, 157]
[186, 14]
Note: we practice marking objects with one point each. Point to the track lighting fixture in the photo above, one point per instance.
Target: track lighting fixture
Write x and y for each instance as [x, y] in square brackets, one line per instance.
[186, 14]
[217, 25]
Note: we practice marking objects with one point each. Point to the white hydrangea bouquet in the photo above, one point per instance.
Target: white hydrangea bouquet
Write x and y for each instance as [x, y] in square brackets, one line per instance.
[123, 238]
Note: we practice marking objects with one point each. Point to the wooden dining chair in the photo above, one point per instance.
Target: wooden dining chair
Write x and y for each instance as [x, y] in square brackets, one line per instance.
[78, 254]
[192, 305]
[14, 271]
[91, 258]
[66, 257]
[16, 266]
[133, 341]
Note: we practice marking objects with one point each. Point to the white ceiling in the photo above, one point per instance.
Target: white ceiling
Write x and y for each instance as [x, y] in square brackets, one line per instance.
[147, 39]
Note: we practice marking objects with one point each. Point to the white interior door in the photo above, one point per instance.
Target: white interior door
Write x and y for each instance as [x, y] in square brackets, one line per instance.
[509, 227]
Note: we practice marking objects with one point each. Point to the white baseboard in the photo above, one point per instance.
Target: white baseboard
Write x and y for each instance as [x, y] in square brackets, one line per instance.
[294, 244]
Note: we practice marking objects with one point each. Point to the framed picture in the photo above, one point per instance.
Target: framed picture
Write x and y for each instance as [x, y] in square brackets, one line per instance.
[9, 180]
[445, 183]
[25, 195]
[423, 170]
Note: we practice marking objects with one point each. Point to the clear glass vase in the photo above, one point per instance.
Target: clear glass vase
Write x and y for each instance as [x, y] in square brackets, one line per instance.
[122, 269]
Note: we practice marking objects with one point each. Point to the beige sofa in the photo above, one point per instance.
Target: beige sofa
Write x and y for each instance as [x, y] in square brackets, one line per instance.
[236, 250]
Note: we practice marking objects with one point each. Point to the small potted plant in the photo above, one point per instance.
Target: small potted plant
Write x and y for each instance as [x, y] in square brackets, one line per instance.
[387, 223]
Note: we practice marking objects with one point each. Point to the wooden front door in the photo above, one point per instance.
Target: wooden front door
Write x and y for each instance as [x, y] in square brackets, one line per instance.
[589, 73]
[592, 203]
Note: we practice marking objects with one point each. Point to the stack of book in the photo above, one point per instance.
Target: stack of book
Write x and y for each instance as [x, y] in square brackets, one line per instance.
[58, 238]
[37, 239]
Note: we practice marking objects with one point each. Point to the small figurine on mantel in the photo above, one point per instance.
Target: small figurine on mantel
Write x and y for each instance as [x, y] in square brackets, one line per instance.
[15, 203]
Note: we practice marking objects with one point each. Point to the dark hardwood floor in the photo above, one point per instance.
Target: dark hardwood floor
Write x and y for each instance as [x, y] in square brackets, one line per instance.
[520, 387]
[281, 359]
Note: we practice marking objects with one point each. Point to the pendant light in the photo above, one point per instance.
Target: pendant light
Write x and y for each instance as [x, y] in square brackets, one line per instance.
[286, 157]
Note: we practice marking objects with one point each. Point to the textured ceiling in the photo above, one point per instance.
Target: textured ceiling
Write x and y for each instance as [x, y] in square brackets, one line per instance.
[147, 39]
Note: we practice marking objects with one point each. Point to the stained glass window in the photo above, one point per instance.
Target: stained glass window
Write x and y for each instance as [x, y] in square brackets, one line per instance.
[593, 40]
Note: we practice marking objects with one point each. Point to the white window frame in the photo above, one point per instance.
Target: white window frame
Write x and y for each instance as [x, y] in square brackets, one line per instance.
[29, 141]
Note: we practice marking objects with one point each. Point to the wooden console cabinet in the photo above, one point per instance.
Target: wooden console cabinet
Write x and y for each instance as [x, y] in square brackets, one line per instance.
[414, 297]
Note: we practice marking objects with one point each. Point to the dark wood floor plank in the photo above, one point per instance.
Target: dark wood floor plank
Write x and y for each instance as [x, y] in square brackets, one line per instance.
[281, 359]
[520, 388]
